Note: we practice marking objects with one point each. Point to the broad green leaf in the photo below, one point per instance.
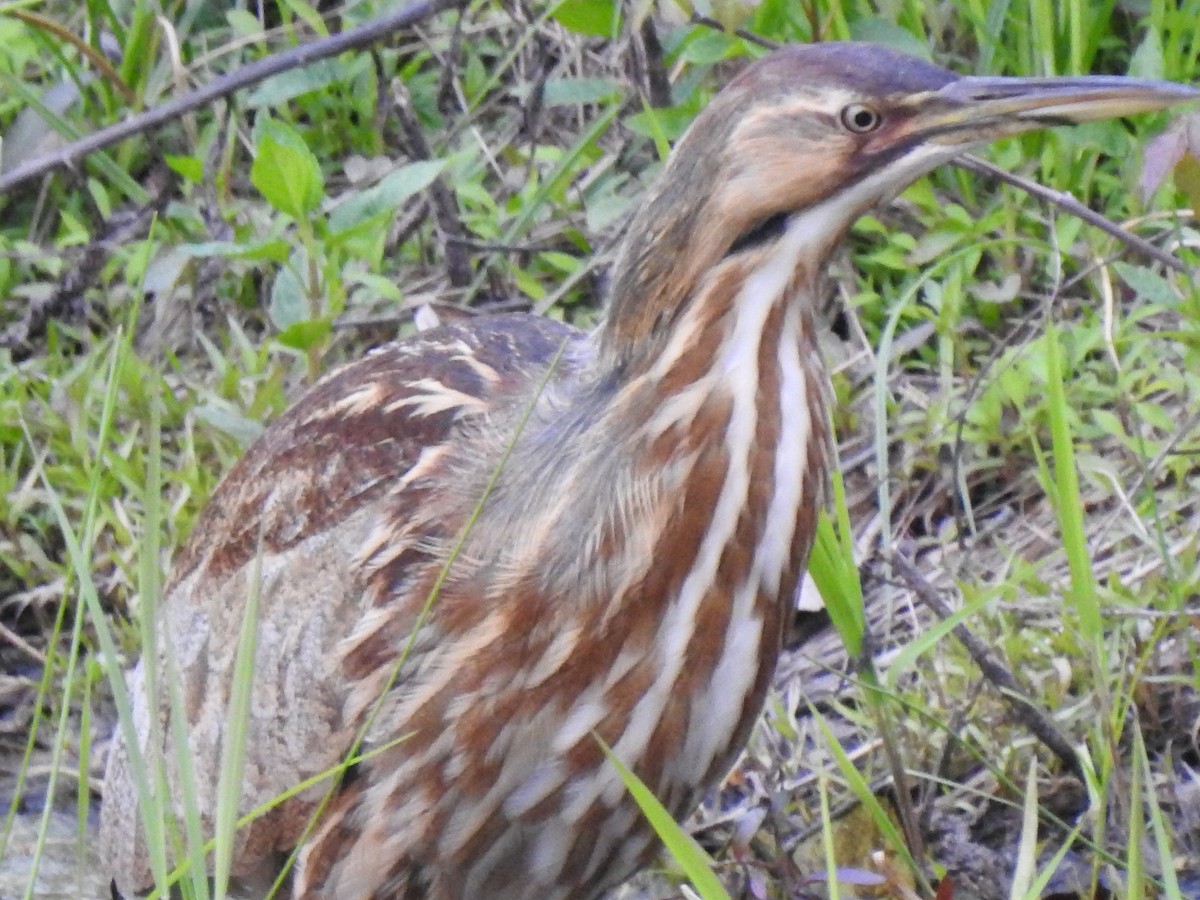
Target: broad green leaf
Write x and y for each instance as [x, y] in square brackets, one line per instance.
[731, 14]
[385, 196]
[592, 18]
[225, 418]
[1147, 60]
[881, 31]
[1109, 423]
[243, 24]
[289, 304]
[307, 14]
[378, 286]
[1149, 285]
[306, 335]
[606, 208]
[190, 167]
[575, 91]
[274, 250]
[563, 262]
[668, 123]
[1187, 175]
[289, 85]
[285, 171]
[709, 47]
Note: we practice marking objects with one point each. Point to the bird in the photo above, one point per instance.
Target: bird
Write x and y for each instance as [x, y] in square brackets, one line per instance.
[477, 554]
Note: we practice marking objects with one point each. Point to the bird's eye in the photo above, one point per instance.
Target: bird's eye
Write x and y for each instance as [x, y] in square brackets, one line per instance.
[860, 119]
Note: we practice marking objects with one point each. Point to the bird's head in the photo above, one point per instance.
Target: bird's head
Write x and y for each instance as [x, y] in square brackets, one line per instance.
[809, 138]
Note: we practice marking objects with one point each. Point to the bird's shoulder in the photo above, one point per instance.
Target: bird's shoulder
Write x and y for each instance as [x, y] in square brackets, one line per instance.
[358, 430]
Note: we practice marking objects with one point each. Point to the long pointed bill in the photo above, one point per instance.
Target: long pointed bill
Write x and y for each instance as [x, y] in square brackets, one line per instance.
[973, 109]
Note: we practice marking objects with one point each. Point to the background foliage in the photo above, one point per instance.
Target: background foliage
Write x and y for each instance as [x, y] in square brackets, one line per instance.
[1018, 394]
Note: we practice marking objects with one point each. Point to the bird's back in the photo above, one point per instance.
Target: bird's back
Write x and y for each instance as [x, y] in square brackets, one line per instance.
[292, 526]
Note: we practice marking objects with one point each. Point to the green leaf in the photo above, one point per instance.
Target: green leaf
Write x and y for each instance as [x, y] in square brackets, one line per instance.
[576, 91]
[276, 250]
[243, 24]
[661, 125]
[190, 167]
[307, 14]
[1108, 422]
[1027, 848]
[289, 304]
[378, 287]
[306, 335]
[563, 262]
[279, 89]
[591, 18]
[1149, 285]
[1159, 823]
[285, 171]
[237, 727]
[385, 196]
[228, 420]
[709, 47]
[1187, 177]
[1147, 60]
[880, 31]
[607, 207]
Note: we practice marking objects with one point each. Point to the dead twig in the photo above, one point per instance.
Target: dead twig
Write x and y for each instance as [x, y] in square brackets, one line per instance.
[247, 76]
[21, 644]
[1069, 204]
[445, 207]
[748, 36]
[1028, 713]
[651, 66]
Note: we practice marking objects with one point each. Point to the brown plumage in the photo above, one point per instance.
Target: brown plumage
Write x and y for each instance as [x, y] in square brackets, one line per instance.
[489, 544]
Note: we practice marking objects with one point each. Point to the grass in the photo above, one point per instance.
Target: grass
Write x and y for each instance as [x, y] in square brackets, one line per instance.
[1017, 398]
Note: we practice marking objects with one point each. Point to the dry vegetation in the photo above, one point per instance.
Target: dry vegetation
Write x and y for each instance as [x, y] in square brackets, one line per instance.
[161, 302]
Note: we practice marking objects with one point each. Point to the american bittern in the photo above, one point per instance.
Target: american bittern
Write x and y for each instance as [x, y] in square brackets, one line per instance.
[650, 493]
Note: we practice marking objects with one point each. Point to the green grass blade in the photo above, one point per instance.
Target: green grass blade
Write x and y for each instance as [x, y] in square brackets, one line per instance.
[829, 845]
[1065, 488]
[696, 864]
[233, 748]
[1027, 847]
[81, 569]
[833, 569]
[1134, 863]
[862, 790]
[1169, 887]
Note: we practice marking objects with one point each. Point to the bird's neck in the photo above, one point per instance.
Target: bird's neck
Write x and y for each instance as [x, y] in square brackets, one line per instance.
[711, 448]
[688, 507]
[737, 386]
[705, 449]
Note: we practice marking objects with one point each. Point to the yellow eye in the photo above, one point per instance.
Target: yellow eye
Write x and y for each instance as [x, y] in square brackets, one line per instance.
[860, 119]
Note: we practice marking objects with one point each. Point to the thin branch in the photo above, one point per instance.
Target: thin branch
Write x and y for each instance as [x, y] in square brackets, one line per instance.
[654, 68]
[1072, 206]
[1027, 712]
[445, 207]
[21, 644]
[745, 35]
[247, 76]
